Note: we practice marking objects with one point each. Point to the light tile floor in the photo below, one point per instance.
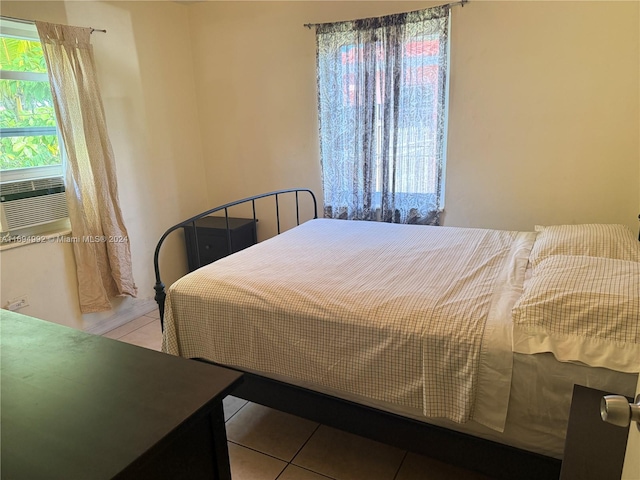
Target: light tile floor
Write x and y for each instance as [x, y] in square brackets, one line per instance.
[265, 444]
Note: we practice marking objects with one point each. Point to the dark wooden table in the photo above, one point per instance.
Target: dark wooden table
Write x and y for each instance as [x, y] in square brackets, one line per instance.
[80, 406]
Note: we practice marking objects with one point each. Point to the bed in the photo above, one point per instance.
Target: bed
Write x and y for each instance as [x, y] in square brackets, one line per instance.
[440, 340]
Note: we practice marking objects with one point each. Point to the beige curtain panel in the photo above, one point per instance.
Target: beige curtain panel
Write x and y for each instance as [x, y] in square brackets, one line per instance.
[102, 251]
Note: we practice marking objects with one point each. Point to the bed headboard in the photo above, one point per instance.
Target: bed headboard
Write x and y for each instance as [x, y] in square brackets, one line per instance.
[191, 222]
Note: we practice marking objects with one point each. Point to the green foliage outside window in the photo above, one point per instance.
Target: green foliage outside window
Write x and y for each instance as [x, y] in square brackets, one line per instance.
[26, 104]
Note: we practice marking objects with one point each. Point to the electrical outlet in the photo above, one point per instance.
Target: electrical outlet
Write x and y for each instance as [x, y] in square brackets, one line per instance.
[17, 303]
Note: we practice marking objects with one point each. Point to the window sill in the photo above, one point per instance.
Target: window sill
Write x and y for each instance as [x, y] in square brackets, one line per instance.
[9, 241]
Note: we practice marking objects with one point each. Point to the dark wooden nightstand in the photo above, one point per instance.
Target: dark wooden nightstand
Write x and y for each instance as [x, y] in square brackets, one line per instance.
[212, 240]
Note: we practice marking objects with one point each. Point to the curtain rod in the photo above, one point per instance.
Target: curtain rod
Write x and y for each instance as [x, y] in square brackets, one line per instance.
[460, 2]
[32, 22]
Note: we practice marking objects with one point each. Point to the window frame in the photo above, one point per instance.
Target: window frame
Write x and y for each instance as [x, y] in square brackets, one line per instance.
[27, 31]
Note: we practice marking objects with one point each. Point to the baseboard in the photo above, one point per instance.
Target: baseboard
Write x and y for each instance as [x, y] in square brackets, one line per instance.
[136, 309]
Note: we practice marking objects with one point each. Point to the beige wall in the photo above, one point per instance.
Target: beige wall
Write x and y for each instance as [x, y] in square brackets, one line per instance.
[211, 101]
[544, 106]
[544, 114]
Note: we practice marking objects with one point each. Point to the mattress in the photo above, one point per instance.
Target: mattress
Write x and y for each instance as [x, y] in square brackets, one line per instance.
[414, 320]
[409, 315]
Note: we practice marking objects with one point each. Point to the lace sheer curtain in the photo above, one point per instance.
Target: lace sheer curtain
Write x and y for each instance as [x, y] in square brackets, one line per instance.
[101, 247]
[382, 93]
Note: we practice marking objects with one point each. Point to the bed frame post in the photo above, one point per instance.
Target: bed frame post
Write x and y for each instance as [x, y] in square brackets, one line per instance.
[159, 298]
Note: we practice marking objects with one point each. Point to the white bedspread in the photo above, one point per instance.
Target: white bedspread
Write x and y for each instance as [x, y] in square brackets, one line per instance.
[414, 316]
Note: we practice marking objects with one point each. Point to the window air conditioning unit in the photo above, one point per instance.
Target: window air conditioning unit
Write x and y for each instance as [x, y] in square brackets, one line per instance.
[29, 203]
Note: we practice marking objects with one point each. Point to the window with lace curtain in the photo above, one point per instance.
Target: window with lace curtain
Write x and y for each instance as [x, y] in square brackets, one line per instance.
[382, 90]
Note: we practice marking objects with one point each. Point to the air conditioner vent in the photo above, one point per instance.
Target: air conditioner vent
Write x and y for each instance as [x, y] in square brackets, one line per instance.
[39, 186]
[30, 203]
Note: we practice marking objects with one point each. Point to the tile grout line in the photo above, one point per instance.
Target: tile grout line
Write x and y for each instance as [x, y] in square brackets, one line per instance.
[257, 451]
[151, 320]
[262, 453]
[288, 463]
[237, 411]
[306, 470]
[302, 447]
[304, 444]
[134, 331]
[404, 458]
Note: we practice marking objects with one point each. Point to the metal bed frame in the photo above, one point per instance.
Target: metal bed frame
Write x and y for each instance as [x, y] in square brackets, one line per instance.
[484, 456]
[191, 222]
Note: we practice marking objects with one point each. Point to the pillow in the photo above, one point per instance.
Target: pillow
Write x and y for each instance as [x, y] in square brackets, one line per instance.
[584, 309]
[594, 240]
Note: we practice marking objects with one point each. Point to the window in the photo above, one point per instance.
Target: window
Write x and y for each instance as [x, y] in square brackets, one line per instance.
[29, 145]
[31, 184]
[382, 106]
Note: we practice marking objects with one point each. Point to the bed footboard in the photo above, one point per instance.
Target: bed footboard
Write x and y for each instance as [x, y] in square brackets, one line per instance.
[159, 287]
